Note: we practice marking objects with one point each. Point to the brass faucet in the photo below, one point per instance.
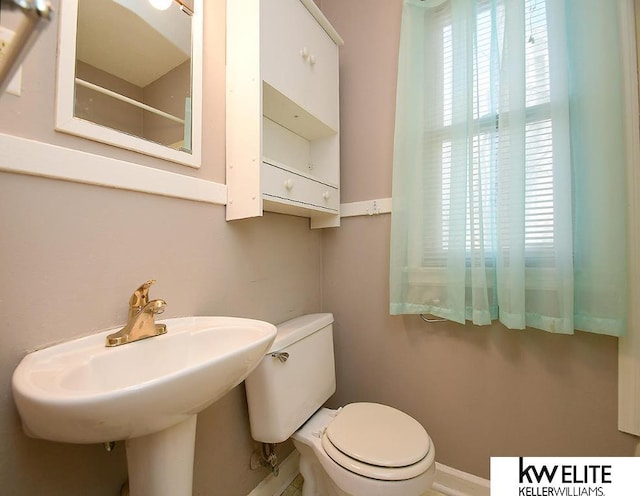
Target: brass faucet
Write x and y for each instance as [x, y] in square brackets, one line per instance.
[141, 323]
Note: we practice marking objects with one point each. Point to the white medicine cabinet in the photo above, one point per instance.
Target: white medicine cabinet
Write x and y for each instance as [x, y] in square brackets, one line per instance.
[283, 148]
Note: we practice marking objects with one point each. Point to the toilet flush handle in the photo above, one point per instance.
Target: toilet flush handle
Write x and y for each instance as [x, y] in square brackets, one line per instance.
[283, 356]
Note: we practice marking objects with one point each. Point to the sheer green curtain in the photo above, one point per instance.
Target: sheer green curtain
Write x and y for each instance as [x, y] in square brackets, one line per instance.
[508, 181]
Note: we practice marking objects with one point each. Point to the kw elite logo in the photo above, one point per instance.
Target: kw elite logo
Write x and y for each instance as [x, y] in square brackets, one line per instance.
[563, 480]
[537, 476]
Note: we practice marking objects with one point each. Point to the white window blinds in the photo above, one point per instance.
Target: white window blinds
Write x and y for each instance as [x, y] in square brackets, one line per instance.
[509, 164]
[485, 122]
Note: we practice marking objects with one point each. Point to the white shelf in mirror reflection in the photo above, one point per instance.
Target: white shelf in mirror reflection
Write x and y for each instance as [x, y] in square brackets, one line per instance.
[67, 119]
[126, 99]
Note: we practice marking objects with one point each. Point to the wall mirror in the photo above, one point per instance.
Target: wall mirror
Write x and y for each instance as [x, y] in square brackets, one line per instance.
[130, 75]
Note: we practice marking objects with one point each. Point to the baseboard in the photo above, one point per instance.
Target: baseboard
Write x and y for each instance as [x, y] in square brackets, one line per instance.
[448, 481]
[452, 482]
[275, 486]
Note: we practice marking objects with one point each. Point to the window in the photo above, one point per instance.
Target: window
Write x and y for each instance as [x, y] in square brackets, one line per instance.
[484, 146]
[509, 165]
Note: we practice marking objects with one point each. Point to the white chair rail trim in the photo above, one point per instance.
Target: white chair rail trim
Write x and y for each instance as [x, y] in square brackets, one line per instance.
[25, 156]
[367, 207]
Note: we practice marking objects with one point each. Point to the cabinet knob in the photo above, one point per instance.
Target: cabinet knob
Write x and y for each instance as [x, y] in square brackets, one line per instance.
[312, 59]
[288, 184]
[326, 195]
[304, 52]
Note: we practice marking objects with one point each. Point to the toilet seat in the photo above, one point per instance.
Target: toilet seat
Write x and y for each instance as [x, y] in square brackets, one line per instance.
[379, 442]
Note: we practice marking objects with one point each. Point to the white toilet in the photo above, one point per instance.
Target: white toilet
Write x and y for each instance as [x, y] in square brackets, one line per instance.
[361, 449]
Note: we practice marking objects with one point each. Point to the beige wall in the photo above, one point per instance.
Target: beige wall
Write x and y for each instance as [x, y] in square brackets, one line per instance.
[71, 254]
[368, 69]
[479, 391]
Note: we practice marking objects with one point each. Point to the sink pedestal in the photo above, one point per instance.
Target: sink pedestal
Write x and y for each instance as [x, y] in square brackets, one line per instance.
[161, 464]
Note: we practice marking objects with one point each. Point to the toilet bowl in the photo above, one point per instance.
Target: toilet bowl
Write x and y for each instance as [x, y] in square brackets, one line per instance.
[361, 449]
[329, 475]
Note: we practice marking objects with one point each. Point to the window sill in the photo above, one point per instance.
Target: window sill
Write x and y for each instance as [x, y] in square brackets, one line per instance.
[539, 279]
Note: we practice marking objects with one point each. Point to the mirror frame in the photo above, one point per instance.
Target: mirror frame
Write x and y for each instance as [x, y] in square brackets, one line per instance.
[67, 122]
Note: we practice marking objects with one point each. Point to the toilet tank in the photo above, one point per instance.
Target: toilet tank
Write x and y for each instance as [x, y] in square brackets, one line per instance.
[283, 394]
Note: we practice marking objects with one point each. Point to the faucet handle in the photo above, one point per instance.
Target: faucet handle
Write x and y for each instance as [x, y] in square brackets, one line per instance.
[140, 296]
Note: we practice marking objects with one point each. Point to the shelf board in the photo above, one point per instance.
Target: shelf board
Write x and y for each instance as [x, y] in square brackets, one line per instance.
[292, 116]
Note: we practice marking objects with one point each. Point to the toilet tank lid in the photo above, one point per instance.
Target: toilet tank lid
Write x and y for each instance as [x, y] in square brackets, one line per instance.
[296, 329]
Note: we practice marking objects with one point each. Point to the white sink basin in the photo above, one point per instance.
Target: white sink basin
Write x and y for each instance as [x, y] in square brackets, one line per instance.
[83, 392]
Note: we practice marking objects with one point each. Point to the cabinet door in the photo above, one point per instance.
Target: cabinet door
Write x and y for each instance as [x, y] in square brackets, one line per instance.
[322, 81]
[299, 58]
[283, 27]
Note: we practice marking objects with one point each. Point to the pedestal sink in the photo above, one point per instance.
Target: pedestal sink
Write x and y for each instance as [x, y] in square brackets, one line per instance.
[147, 393]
